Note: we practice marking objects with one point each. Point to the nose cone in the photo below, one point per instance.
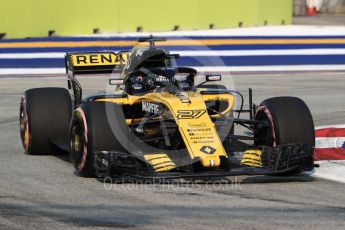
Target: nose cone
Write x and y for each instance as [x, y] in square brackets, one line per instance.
[210, 161]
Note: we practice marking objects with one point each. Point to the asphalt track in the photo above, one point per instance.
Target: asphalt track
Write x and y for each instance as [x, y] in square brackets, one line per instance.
[42, 192]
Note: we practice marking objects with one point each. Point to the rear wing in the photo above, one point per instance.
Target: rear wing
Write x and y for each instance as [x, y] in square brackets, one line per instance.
[95, 62]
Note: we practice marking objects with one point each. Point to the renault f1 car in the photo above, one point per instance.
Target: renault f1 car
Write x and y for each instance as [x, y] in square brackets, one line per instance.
[157, 122]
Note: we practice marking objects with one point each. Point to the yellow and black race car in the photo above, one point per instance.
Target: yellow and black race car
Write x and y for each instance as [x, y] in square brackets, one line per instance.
[158, 123]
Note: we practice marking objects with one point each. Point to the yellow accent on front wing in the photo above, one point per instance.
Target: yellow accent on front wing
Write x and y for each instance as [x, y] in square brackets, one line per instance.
[252, 158]
[160, 162]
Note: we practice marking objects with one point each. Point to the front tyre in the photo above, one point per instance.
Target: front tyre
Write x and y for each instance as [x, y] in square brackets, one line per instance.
[95, 127]
[287, 126]
[287, 119]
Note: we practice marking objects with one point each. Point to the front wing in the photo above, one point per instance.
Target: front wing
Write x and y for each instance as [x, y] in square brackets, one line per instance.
[284, 159]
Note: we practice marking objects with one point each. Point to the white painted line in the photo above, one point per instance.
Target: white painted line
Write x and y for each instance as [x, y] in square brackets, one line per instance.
[271, 68]
[221, 53]
[197, 53]
[31, 55]
[331, 170]
[286, 30]
[329, 142]
[22, 71]
[340, 126]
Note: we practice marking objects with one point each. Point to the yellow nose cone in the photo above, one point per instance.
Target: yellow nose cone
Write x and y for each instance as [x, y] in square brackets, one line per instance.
[210, 161]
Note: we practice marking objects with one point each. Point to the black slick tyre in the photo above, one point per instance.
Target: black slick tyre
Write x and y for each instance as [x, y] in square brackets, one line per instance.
[93, 129]
[44, 114]
[289, 120]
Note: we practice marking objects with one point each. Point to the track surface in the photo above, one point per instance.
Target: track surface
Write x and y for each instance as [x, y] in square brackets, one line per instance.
[42, 192]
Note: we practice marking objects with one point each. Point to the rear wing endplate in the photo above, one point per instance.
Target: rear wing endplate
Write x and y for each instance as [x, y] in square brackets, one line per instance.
[95, 62]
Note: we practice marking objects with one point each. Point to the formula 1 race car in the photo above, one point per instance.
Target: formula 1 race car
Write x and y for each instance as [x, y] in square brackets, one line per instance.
[156, 122]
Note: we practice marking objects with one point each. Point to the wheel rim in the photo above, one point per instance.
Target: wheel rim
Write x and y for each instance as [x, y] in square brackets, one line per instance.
[24, 127]
[77, 143]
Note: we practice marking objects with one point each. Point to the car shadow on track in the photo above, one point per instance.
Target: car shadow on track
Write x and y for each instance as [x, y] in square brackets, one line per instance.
[214, 180]
[278, 179]
[63, 156]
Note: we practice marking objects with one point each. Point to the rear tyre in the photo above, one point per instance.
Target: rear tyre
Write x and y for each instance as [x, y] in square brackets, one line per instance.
[288, 120]
[44, 114]
[95, 127]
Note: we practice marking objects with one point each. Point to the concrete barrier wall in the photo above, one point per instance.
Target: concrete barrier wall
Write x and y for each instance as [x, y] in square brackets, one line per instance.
[34, 18]
[332, 6]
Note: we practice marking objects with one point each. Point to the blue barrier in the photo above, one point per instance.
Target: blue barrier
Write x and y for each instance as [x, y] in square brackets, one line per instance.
[314, 50]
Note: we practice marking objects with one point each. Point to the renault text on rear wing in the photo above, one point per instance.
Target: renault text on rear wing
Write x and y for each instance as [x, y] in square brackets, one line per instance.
[93, 63]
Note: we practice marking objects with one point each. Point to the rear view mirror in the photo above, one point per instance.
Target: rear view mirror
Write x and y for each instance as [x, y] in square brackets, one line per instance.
[116, 81]
[213, 78]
